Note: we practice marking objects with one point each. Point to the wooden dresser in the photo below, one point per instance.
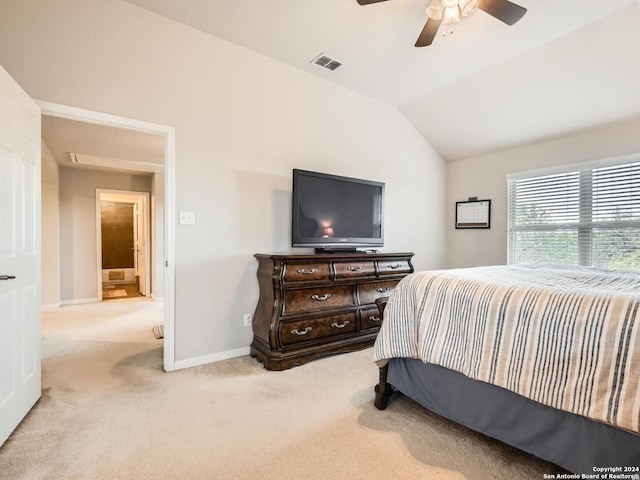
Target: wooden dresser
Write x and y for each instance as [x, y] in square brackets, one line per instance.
[320, 304]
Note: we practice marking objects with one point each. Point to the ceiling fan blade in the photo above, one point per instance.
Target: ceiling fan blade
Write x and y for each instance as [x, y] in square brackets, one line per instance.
[428, 33]
[503, 10]
[369, 2]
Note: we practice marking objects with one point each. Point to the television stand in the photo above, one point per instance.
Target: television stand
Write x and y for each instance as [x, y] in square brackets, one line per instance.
[314, 305]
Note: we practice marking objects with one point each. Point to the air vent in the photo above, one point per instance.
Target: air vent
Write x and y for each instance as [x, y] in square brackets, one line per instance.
[326, 62]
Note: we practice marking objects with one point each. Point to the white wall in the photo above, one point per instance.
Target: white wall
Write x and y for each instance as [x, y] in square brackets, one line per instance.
[50, 297]
[78, 246]
[484, 177]
[243, 122]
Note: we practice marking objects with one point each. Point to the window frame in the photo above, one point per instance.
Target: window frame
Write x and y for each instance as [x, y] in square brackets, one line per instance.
[585, 225]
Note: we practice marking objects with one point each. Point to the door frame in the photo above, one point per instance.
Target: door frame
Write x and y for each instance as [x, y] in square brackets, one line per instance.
[168, 133]
[147, 233]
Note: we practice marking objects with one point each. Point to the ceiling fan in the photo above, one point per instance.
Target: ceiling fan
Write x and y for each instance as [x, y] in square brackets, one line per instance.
[449, 11]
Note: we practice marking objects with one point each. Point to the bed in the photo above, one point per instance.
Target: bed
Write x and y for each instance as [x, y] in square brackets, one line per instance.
[543, 358]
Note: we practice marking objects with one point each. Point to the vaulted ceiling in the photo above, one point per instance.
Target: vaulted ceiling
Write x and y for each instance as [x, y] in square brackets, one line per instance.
[566, 66]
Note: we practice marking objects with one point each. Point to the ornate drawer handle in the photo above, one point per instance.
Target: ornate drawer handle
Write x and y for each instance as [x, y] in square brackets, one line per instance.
[394, 266]
[340, 325]
[322, 298]
[374, 319]
[384, 289]
[354, 269]
[304, 332]
[302, 271]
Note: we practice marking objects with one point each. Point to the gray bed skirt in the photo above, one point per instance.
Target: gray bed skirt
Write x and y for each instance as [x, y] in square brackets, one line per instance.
[570, 441]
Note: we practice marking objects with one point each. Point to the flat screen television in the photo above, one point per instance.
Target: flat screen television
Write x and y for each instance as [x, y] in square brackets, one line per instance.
[336, 214]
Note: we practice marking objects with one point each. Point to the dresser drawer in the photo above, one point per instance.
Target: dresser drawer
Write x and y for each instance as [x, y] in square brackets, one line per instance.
[355, 269]
[306, 272]
[317, 298]
[370, 318]
[368, 292]
[394, 267]
[317, 328]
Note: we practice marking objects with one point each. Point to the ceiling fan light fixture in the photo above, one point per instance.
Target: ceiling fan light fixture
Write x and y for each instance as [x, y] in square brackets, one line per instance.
[444, 13]
[435, 9]
[451, 15]
[467, 7]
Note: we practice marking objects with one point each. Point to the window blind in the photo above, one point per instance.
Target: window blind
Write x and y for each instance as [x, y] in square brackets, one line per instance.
[582, 217]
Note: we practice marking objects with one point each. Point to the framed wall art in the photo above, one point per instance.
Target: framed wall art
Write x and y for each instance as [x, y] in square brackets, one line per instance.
[473, 213]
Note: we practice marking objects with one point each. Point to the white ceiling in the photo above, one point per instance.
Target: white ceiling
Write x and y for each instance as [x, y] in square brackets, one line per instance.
[566, 66]
[63, 136]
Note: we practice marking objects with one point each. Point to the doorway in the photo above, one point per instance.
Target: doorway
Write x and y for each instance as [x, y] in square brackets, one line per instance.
[166, 254]
[123, 241]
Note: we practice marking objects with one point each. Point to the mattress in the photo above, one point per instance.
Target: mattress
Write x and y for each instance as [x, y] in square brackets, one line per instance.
[564, 337]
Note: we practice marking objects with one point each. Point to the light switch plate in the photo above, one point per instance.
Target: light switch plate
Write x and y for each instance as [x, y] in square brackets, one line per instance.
[187, 218]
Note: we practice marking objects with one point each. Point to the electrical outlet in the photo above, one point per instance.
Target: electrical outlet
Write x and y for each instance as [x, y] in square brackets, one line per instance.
[247, 319]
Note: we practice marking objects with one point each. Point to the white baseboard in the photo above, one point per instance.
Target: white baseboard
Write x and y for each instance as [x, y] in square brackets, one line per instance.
[79, 301]
[47, 307]
[214, 357]
[157, 299]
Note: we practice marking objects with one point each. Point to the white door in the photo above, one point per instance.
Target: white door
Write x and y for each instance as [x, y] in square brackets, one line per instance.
[19, 254]
[141, 242]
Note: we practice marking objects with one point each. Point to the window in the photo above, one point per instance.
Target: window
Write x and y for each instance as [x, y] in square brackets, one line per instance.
[583, 217]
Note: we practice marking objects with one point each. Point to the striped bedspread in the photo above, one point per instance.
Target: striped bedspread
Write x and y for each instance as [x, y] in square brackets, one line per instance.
[566, 337]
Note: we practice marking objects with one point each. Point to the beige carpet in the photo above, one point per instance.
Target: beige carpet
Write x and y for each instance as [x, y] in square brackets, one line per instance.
[108, 411]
